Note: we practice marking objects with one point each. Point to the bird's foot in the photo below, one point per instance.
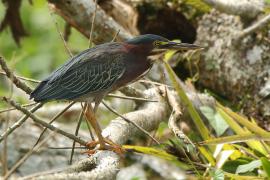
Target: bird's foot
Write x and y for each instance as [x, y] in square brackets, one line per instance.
[93, 146]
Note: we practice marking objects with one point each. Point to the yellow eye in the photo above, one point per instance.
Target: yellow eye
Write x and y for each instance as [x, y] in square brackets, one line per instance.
[157, 43]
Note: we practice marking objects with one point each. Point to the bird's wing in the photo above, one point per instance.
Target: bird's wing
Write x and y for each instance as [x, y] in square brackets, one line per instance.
[89, 74]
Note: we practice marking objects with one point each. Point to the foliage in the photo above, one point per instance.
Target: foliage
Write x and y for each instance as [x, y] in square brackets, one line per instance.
[43, 50]
[244, 154]
[230, 146]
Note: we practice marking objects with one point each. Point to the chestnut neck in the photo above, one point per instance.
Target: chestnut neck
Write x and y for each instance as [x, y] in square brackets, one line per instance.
[139, 50]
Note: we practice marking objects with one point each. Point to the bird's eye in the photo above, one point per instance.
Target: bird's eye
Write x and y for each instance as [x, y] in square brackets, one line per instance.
[156, 43]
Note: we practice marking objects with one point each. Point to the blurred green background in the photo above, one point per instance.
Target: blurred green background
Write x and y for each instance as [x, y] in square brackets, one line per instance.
[43, 49]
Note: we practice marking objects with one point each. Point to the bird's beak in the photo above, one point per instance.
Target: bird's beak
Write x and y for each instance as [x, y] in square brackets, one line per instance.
[178, 46]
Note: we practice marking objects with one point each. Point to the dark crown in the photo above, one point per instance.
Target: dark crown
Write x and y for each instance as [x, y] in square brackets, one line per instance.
[145, 39]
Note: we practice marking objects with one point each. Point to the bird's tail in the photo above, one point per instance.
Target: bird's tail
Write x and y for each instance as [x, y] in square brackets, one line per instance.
[36, 93]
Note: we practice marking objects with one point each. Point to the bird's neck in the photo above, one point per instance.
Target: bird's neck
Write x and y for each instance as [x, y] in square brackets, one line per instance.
[138, 50]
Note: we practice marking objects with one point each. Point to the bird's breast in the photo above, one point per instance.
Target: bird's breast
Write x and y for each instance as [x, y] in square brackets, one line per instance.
[135, 69]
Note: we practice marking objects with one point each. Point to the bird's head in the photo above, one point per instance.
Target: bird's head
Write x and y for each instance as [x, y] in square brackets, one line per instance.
[150, 42]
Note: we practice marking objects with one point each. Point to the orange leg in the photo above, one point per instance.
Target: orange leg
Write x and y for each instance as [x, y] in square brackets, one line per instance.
[103, 142]
[90, 116]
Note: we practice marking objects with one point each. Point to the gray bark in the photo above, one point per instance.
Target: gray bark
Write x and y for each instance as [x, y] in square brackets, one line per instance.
[79, 14]
[237, 71]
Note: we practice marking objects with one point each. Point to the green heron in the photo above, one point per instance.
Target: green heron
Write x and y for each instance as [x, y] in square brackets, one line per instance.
[95, 72]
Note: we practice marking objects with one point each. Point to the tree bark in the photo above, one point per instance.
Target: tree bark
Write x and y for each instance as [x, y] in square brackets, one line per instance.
[238, 71]
[79, 14]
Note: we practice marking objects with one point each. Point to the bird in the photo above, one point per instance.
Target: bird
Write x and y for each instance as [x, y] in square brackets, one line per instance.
[90, 75]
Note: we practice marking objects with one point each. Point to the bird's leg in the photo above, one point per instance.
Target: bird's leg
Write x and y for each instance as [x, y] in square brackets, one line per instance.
[104, 142]
[90, 116]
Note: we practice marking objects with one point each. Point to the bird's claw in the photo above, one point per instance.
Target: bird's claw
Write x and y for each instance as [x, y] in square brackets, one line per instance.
[111, 146]
[92, 144]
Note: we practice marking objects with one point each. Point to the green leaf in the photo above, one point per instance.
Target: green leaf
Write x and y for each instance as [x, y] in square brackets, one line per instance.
[191, 109]
[226, 114]
[266, 166]
[248, 167]
[199, 4]
[217, 174]
[235, 139]
[222, 157]
[158, 153]
[231, 165]
[207, 155]
[215, 119]
[169, 54]
[244, 121]
[151, 151]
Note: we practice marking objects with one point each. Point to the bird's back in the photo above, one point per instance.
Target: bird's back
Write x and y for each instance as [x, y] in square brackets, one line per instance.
[91, 71]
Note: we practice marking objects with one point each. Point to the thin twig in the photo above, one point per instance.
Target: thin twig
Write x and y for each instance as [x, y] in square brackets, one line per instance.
[43, 123]
[13, 78]
[67, 31]
[11, 109]
[28, 154]
[150, 142]
[251, 29]
[129, 121]
[115, 36]
[5, 148]
[131, 98]
[153, 82]
[4, 154]
[175, 117]
[131, 91]
[89, 129]
[92, 25]
[60, 33]
[53, 119]
[19, 122]
[23, 78]
[88, 124]
[75, 147]
[76, 133]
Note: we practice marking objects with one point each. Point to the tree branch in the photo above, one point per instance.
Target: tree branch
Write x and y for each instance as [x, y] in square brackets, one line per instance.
[13, 78]
[119, 131]
[103, 165]
[174, 119]
[243, 8]
[129, 121]
[43, 123]
[79, 15]
[18, 123]
[148, 117]
[263, 22]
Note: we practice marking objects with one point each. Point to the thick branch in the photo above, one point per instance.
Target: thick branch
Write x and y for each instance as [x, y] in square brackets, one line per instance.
[243, 8]
[79, 14]
[148, 117]
[103, 165]
[123, 13]
[119, 131]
